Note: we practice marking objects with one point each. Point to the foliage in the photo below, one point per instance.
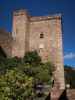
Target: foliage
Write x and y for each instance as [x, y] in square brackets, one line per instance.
[15, 85]
[42, 75]
[70, 76]
[32, 58]
[20, 75]
[41, 72]
[9, 63]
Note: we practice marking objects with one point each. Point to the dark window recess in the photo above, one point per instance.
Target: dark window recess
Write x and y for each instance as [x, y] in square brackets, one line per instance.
[41, 35]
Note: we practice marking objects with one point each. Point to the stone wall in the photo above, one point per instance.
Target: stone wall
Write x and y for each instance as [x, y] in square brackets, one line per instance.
[19, 33]
[43, 34]
[41, 44]
[27, 33]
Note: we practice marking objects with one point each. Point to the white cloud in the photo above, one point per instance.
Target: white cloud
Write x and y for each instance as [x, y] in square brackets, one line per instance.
[69, 56]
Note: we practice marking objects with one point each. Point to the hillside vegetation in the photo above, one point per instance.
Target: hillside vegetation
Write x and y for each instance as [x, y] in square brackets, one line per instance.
[70, 76]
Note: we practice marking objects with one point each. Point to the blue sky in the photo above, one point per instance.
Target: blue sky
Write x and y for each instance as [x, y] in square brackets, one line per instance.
[45, 7]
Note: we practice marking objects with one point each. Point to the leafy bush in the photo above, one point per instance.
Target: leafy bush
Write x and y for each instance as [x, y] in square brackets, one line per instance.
[15, 85]
[32, 58]
[9, 63]
[20, 75]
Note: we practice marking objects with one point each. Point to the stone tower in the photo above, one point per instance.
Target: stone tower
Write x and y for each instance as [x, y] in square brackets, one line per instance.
[42, 33]
[46, 37]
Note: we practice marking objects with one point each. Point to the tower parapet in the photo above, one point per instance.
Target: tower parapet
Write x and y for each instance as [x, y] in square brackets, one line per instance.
[41, 18]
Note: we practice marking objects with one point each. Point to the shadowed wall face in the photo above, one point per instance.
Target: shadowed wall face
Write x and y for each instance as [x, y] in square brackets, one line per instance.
[2, 53]
[6, 43]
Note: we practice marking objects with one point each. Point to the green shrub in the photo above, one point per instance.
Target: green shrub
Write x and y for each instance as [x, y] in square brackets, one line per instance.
[20, 75]
[15, 84]
[32, 58]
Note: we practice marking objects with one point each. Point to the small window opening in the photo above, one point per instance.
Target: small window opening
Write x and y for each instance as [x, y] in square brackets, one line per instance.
[41, 35]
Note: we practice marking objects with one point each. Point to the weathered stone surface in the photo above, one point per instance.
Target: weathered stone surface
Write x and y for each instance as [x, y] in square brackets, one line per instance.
[26, 36]
[6, 42]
